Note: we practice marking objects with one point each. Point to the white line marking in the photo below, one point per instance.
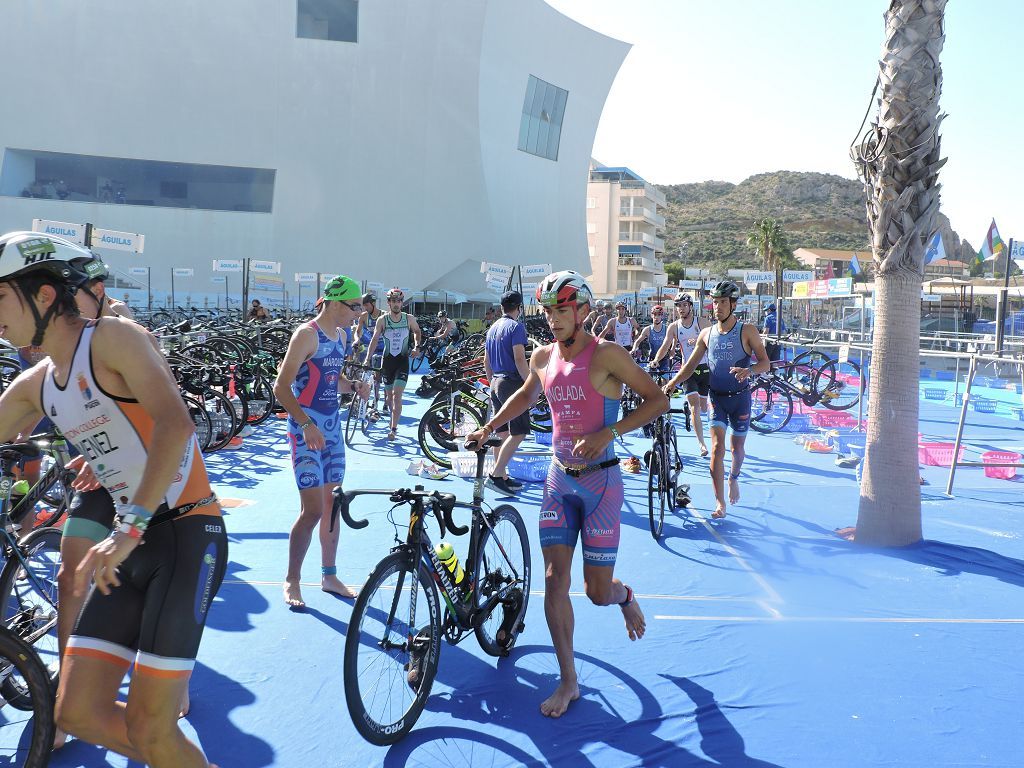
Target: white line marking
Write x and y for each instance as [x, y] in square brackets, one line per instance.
[773, 596]
[841, 619]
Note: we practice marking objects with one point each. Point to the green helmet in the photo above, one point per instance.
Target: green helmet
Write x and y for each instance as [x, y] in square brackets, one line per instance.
[342, 288]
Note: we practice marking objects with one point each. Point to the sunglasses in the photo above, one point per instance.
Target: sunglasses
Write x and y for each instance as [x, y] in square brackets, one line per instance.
[353, 307]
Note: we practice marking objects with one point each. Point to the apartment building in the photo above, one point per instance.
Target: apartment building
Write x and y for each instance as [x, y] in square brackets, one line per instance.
[624, 232]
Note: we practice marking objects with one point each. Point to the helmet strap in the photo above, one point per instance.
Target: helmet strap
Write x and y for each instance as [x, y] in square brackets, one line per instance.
[99, 304]
[577, 325]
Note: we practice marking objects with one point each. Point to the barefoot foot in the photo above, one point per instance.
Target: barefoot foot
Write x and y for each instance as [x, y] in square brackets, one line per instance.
[635, 624]
[184, 704]
[334, 586]
[719, 512]
[59, 738]
[559, 701]
[734, 490]
[293, 595]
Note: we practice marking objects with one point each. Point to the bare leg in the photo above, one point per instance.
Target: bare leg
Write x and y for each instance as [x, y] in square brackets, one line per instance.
[738, 454]
[604, 589]
[718, 469]
[697, 422]
[152, 718]
[561, 624]
[505, 454]
[329, 547]
[72, 550]
[310, 512]
[396, 407]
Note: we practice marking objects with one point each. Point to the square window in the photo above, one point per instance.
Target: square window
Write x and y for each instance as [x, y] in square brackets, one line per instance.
[328, 20]
[540, 127]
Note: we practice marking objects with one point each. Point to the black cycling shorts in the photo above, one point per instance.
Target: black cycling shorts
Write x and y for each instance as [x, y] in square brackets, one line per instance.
[394, 370]
[699, 381]
[91, 515]
[502, 388]
[155, 618]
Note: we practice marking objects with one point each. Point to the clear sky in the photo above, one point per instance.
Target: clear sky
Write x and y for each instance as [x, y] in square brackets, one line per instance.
[723, 90]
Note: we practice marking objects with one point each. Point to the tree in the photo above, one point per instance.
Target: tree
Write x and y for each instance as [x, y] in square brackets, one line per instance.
[899, 162]
[769, 243]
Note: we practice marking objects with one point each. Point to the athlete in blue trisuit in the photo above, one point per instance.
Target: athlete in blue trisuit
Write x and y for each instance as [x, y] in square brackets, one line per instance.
[729, 345]
[654, 334]
[307, 386]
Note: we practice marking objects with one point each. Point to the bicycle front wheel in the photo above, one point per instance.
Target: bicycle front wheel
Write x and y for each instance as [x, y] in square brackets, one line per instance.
[770, 408]
[839, 385]
[441, 431]
[28, 738]
[502, 566]
[655, 491]
[352, 421]
[392, 649]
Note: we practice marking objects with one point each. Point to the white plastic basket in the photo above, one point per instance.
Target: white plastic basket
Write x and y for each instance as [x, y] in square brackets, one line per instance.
[464, 463]
[530, 466]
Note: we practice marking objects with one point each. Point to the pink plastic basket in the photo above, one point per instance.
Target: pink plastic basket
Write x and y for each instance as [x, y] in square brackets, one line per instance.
[938, 454]
[832, 419]
[1001, 457]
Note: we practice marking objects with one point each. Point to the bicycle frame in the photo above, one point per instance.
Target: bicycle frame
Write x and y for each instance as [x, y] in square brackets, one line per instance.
[58, 450]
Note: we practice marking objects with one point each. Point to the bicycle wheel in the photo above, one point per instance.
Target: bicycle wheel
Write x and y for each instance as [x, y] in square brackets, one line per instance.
[839, 385]
[199, 416]
[27, 740]
[28, 604]
[540, 416]
[671, 466]
[352, 420]
[770, 407]
[392, 649]
[439, 433]
[261, 400]
[223, 418]
[655, 492]
[416, 362]
[502, 564]
[802, 370]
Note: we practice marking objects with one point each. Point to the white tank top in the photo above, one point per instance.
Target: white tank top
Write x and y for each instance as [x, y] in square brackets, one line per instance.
[684, 336]
[114, 434]
[623, 333]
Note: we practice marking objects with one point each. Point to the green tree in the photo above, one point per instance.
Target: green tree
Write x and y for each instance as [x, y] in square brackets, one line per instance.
[769, 243]
[899, 162]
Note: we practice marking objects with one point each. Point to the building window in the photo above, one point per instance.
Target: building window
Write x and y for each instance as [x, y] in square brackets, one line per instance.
[123, 181]
[328, 20]
[540, 128]
[591, 201]
[591, 228]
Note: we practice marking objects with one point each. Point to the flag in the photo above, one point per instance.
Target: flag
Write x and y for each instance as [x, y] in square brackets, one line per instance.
[936, 251]
[829, 272]
[992, 245]
[855, 268]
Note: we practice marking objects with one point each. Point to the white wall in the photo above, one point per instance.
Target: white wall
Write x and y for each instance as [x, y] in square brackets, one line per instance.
[396, 157]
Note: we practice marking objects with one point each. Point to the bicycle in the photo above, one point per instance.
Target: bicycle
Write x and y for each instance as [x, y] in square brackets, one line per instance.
[45, 501]
[393, 647]
[28, 579]
[664, 466]
[29, 739]
[358, 408]
[773, 393]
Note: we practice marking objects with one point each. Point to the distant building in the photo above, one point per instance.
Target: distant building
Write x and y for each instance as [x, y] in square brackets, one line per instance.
[820, 259]
[946, 268]
[624, 231]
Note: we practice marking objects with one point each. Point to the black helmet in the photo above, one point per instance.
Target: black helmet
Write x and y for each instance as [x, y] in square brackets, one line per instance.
[369, 298]
[726, 289]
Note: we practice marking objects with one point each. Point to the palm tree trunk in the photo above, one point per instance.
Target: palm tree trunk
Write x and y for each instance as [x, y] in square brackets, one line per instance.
[899, 162]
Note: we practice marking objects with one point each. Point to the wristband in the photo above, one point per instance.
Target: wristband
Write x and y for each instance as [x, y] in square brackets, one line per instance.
[489, 428]
[615, 433]
[629, 596]
[306, 423]
[132, 520]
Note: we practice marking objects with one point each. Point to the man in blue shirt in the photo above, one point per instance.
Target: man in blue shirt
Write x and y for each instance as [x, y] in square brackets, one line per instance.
[768, 330]
[507, 369]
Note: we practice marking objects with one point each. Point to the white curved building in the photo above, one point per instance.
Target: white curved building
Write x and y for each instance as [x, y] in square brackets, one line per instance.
[397, 141]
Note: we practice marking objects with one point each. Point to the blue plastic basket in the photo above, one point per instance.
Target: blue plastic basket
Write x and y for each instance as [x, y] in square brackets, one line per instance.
[846, 443]
[542, 438]
[530, 466]
[926, 373]
[801, 422]
[934, 393]
[982, 381]
[858, 449]
[1016, 386]
[984, 405]
[945, 375]
[1017, 412]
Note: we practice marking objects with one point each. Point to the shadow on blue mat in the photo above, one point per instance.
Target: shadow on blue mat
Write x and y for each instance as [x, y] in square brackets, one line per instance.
[511, 699]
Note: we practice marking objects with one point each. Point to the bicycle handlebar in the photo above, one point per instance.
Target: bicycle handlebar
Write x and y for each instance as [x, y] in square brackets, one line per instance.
[442, 505]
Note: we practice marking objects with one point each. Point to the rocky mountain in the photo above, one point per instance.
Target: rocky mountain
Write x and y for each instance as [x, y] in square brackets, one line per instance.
[817, 210]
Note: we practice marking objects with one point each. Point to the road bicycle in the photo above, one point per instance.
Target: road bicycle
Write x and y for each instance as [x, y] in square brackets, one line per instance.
[664, 466]
[834, 385]
[393, 644]
[359, 410]
[25, 739]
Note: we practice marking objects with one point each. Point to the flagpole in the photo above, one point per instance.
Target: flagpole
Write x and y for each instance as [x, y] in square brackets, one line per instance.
[1004, 294]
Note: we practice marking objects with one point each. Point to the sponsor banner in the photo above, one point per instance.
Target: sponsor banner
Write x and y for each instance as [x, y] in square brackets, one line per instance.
[138, 271]
[267, 283]
[752, 277]
[183, 272]
[736, 273]
[372, 285]
[931, 297]
[821, 289]
[118, 241]
[326, 277]
[797, 275]
[219, 280]
[265, 267]
[645, 292]
[691, 284]
[73, 232]
[536, 271]
[227, 265]
[840, 286]
[499, 270]
[305, 277]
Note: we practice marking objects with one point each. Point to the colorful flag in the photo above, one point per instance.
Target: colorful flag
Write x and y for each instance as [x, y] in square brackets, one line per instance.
[855, 268]
[936, 250]
[992, 245]
[829, 272]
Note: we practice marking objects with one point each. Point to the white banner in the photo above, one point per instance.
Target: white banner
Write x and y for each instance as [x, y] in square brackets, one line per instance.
[797, 275]
[931, 297]
[529, 288]
[374, 286]
[753, 278]
[118, 241]
[326, 277]
[73, 232]
[265, 267]
[691, 284]
[305, 277]
[499, 270]
[536, 271]
[736, 273]
[646, 292]
[1017, 252]
[138, 270]
[227, 265]
[219, 280]
[184, 272]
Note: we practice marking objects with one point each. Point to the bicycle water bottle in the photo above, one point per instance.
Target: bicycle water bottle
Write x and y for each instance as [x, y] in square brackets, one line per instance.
[450, 561]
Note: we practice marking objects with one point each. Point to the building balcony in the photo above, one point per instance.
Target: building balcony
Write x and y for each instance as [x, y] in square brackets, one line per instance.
[637, 262]
[641, 213]
[659, 245]
[637, 188]
[639, 237]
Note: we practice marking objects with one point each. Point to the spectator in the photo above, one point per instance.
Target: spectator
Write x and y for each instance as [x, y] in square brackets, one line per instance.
[773, 324]
[257, 313]
[489, 317]
[507, 369]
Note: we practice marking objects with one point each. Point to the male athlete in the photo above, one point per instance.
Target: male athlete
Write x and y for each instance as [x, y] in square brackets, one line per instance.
[583, 496]
[111, 394]
[398, 329]
[621, 329]
[307, 386]
[729, 345]
[682, 335]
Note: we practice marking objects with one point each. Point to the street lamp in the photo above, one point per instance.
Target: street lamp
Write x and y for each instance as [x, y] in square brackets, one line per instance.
[682, 257]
